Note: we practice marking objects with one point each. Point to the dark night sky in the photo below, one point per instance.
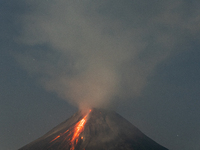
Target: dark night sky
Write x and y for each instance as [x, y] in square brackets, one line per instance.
[140, 58]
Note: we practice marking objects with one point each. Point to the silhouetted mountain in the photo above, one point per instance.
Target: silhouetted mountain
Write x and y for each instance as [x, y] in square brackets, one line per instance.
[96, 130]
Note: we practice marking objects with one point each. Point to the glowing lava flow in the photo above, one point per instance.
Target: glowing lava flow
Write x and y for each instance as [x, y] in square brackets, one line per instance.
[76, 131]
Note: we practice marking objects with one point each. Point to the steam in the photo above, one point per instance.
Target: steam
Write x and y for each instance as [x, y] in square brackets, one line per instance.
[88, 55]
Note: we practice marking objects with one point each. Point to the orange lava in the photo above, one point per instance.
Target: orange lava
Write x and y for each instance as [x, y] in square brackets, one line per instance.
[55, 138]
[76, 131]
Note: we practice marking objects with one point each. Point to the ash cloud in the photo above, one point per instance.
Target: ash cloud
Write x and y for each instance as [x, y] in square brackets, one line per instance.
[90, 52]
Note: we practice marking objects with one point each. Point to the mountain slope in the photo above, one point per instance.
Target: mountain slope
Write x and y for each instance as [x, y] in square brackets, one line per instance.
[96, 130]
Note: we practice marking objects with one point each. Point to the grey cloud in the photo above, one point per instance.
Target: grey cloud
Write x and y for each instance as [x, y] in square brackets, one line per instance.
[89, 52]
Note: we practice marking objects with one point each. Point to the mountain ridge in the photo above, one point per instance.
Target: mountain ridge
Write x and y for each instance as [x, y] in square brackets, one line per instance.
[101, 130]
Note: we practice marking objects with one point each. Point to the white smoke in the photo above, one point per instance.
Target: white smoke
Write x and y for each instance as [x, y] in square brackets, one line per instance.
[88, 55]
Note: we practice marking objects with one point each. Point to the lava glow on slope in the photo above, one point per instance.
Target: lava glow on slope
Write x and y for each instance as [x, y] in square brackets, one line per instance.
[73, 133]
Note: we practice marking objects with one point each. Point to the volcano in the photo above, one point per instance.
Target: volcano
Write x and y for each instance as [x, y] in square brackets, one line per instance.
[95, 129]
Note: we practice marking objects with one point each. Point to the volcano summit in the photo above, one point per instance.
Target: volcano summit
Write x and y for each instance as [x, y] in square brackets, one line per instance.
[96, 129]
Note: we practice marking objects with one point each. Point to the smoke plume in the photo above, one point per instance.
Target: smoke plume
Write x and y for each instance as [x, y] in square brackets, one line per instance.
[90, 52]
